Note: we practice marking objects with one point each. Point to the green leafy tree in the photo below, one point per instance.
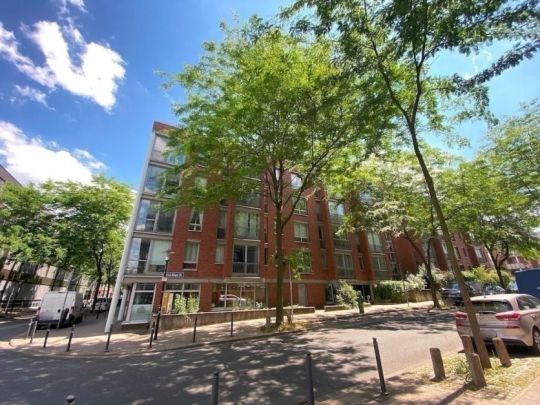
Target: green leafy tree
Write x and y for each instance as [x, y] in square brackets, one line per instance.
[394, 42]
[93, 219]
[260, 105]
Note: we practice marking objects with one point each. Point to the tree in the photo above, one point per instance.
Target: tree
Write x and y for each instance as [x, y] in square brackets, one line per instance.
[94, 218]
[393, 198]
[266, 113]
[395, 41]
[492, 210]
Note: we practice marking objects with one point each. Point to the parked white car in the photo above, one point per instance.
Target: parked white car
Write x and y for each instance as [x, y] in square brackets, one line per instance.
[231, 298]
[515, 318]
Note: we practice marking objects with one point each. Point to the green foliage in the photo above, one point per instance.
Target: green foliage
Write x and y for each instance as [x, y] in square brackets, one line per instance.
[415, 281]
[393, 291]
[180, 305]
[192, 305]
[346, 295]
[486, 276]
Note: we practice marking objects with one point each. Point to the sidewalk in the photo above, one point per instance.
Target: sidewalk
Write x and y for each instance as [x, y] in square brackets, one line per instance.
[89, 339]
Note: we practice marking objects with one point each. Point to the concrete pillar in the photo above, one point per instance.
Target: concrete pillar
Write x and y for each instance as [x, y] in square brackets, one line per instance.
[477, 372]
[438, 365]
[502, 353]
[123, 303]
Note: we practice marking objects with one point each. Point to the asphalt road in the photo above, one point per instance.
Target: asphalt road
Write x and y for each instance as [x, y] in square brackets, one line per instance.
[251, 372]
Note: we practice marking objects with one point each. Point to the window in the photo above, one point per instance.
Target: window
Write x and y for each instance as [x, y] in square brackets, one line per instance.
[151, 218]
[246, 225]
[374, 241]
[222, 224]
[378, 262]
[344, 265]
[251, 199]
[301, 206]
[526, 303]
[246, 259]
[158, 254]
[296, 181]
[175, 296]
[157, 180]
[191, 255]
[341, 240]
[220, 253]
[456, 250]
[160, 152]
[336, 211]
[195, 221]
[138, 255]
[141, 310]
[324, 260]
[301, 232]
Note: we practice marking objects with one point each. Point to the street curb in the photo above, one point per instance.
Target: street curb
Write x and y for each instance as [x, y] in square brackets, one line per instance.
[148, 352]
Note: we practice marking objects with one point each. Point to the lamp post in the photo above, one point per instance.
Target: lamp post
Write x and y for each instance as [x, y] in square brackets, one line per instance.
[163, 283]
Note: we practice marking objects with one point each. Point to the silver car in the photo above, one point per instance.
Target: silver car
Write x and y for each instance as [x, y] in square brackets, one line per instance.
[515, 318]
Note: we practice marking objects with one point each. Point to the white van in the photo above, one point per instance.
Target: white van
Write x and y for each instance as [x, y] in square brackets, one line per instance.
[66, 307]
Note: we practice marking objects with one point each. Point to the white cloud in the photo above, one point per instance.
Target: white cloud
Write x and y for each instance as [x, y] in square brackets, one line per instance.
[29, 93]
[97, 75]
[31, 160]
[76, 3]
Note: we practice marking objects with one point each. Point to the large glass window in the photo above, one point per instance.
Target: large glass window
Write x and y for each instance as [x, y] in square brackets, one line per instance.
[157, 180]
[222, 226]
[191, 255]
[374, 241]
[220, 253]
[341, 240]
[380, 268]
[241, 295]
[246, 259]
[301, 206]
[251, 199]
[337, 211]
[141, 310]
[195, 221]
[159, 152]
[246, 225]
[151, 218]
[181, 298]
[344, 265]
[147, 255]
[301, 232]
[296, 181]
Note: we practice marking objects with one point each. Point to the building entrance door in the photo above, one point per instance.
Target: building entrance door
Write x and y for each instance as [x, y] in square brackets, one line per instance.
[302, 298]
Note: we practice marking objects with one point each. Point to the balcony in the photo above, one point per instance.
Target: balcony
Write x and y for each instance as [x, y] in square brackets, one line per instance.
[336, 218]
[245, 232]
[251, 200]
[342, 244]
[221, 233]
[245, 269]
[345, 273]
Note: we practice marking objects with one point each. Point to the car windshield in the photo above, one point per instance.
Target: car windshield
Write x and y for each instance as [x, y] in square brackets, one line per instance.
[492, 307]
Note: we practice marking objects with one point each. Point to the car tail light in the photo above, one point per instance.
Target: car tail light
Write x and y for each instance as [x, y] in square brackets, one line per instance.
[460, 318]
[512, 318]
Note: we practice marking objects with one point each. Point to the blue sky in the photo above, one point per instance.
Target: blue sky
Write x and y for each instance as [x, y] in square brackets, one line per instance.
[79, 92]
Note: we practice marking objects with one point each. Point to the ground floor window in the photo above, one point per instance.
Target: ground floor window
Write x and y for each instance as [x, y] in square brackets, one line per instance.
[238, 296]
[141, 309]
[181, 298]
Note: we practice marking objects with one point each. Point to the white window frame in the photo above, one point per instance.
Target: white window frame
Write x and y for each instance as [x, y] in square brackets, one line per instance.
[300, 238]
[198, 243]
[193, 226]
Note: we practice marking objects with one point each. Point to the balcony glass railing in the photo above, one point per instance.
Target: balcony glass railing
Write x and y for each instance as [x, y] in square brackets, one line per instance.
[245, 269]
[245, 232]
[345, 273]
[341, 244]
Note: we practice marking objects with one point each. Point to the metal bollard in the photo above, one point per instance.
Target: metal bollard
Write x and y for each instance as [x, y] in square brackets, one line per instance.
[215, 388]
[70, 399]
[70, 337]
[232, 323]
[30, 327]
[157, 324]
[108, 339]
[311, 394]
[97, 314]
[151, 336]
[46, 336]
[379, 367]
[33, 332]
[195, 329]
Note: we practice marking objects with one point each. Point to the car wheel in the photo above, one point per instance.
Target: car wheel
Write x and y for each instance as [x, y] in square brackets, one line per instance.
[536, 341]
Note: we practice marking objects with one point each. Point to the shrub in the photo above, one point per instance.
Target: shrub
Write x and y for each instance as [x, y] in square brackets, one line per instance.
[192, 305]
[395, 291]
[415, 282]
[485, 276]
[180, 305]
[346, 295]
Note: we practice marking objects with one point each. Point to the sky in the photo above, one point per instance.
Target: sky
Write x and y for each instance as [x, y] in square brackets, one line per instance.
[79, 89]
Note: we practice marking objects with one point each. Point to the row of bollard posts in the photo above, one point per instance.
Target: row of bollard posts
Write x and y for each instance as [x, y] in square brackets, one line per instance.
[379, 367]
[158, 318]
[195, 329]
[151, 335]
[232, 323]
[108, 338]
[46, 336]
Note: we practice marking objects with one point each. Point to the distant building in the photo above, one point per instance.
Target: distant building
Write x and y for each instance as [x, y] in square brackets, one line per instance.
[6, 177]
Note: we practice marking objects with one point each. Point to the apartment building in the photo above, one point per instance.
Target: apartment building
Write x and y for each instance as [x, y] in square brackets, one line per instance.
[222, 256]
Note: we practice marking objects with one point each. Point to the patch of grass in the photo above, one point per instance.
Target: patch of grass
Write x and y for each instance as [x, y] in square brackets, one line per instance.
[284, 327]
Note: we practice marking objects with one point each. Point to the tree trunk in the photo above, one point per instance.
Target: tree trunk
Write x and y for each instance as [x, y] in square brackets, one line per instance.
[96, 291]
[471, 313]
[280, 269]
[497, 263]
[432, 286]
